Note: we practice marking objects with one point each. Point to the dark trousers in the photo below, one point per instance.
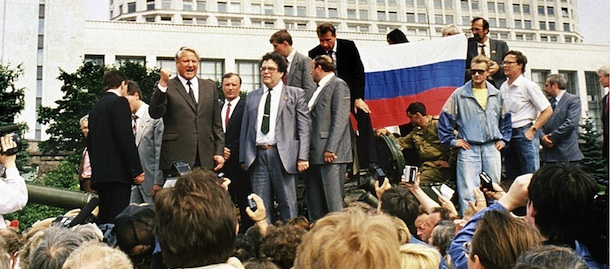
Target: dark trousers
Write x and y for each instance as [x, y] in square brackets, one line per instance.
[239, 189]
[367, 151]
[114, 198]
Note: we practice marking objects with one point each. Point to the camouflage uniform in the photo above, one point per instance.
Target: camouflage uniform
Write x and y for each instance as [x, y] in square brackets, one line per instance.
[429, 148]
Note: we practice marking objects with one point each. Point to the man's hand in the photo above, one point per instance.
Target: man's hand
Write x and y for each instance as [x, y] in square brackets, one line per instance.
[546, 141]
[480, 202]
[139, 179]
[155, 189]
[7, 142]
[499, 145]
[517, 195]
[261, 213]
[496, 193]
[441, 164]
[225, 183]
[302, 165]
[381, 131]
[360, 104]
[227, 153]
[379, 190]
[493, 68]
[529, 134]
[164, 75]
[461, 143]
[220, 161]
[329, 157]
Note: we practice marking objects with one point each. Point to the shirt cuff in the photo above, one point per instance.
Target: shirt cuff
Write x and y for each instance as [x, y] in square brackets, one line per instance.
[162, 89]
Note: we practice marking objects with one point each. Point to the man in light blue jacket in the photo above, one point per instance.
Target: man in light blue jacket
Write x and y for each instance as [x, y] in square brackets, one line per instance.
[477, 112]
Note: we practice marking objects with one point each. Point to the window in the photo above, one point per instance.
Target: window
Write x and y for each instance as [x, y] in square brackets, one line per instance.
[288, 10]
[166, 4]
[166, 62]
[501, 8]
[392, 16]
[448, 4]
[150, 5]
[332, 13]
[95, 59]
[475, 5]
[491, 7]
[380, 16]
[409, 3]
[200, 5]
[492, 23]
[566, 27]
[269, 24]
[519, 37]
[549, 11]
[503, 23]
[301, 11]
[320, 12]
[234, 7]
[527, 24]
[268, 9]
[421, 3]
[222, 7]
[551, 26]
[40, 41]
[449, 19]
[595, 94]
[542, 25]
[438, 19]
[364, 14]
[351, 14]
[255, 8]
[410, 17]
[529, 37]
[564, 12]
[464, 4]
[41, 11]
[553, 38]
[526, 9]
[571, 81]
[249, 73]
[150, 19]
[381, 2]
[518, 24]
[422, 18]
[211, 69]
[516, 8]
[438, 4]
[539, 77]
[186, 6]
[465, 20]
[540, 10]
[134, 59]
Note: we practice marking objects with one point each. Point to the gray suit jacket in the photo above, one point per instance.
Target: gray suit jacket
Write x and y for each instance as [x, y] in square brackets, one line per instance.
[148, 140]
[300, 74]
[292, 129]
[330, 123]
[188, 129]
[563, 127]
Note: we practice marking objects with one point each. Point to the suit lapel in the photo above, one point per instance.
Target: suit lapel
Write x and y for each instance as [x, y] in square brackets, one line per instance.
[283, 100]
[292, 68]
[238, 108]
[182, 92]
[142, 128]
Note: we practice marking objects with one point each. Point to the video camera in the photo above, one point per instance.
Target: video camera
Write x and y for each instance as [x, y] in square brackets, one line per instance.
[11, 129]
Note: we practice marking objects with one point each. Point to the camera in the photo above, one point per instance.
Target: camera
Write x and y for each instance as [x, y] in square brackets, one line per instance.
[486, 181]
[251, 203]
[410, 173]
[9, 129]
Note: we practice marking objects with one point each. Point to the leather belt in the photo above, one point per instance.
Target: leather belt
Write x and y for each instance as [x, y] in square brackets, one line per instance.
[265, 147]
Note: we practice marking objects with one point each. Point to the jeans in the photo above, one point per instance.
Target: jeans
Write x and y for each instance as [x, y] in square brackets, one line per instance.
[470, 163]
[521, 155]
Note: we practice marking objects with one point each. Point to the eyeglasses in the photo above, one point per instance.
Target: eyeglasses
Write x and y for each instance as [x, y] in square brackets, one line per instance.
[466, 248]
[270, 69]
[507, 63]
[477, 71]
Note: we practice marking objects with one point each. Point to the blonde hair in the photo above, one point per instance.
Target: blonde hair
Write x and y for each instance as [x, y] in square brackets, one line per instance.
[350, 240]
[95, 255]
[419, 256]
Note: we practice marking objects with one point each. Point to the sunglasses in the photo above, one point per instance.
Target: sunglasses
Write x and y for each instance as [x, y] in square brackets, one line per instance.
[477, 71]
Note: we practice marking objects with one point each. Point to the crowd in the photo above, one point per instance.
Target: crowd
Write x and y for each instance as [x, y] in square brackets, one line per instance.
[237, 207]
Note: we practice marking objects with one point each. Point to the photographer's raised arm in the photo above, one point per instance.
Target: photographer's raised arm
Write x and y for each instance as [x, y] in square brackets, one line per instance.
[13, 192]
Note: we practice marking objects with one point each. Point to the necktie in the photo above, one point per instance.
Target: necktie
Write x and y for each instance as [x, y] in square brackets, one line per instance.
[227, 115]
[553, 102]
[266, 114]
[134, 126]
[191, 94]
[482, 49]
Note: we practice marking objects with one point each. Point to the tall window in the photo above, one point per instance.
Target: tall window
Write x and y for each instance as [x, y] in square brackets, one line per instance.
[167, 63]
[134, 59]
[249, 73]
[539, 77]
[518, 24]
[550, 11]
[516, 9]
[595, 94]
[131, 7]
[211, 69]
[95, 59]
[571, 81]
[501, 8]
[526, 9]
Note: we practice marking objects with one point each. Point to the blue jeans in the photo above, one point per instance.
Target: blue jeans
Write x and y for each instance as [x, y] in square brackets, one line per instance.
[470, 163]
[269, 179]
[521, 155]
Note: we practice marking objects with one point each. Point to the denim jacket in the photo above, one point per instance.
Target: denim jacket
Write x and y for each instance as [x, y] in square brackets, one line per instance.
[463, 113]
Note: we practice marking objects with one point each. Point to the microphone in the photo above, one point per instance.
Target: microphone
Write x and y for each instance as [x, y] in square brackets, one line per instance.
[84, 213]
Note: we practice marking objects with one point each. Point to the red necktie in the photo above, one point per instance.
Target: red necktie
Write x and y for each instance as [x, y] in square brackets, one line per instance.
[227, 115]
[135, 124]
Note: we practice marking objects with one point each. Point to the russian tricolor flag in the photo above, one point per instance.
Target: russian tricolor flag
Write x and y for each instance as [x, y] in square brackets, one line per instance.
[425, 71]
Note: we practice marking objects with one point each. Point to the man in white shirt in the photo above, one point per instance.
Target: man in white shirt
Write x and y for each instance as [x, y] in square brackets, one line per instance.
[13, 192]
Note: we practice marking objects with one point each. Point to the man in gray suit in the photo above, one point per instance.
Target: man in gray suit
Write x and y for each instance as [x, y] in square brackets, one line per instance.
[275, 137]
[560, 140]
[298, 71]
[481, 44]
[149, 133]
[331, 148]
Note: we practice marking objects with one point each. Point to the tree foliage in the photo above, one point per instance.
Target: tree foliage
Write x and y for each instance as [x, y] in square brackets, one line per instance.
[12, 103]
[591, 147]
[82, 89]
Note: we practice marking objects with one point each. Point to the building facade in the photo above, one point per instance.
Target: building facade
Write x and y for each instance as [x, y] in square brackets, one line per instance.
[46, 36]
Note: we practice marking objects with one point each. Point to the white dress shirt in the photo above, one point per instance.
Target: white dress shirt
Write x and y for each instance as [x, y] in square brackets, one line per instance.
[269, 138]
[194, 84]
[223, 111]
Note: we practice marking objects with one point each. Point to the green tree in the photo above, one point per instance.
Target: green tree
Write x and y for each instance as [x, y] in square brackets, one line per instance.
[82, 89]
[591, 146]
[12, 103]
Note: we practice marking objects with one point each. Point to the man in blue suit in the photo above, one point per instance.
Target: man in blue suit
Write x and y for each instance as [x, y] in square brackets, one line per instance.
[560, 140]
[275, 138]
[231, 111]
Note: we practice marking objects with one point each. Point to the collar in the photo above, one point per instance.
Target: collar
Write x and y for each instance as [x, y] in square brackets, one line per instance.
[184, 80]
[560, 95]
[517, 81]
[143, 108]
[322, 83]
[277, 87]
[487, 43]
[115, 91]
[233, 102]
[291, 56]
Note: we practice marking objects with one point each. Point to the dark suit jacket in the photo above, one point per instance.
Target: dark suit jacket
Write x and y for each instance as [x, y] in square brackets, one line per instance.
[188, 129]
[112, 148]
[292, 128]
[563, 127]
[232, 136]
[497, 48]
[300, 74]
[330, 123]
[349, 66]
